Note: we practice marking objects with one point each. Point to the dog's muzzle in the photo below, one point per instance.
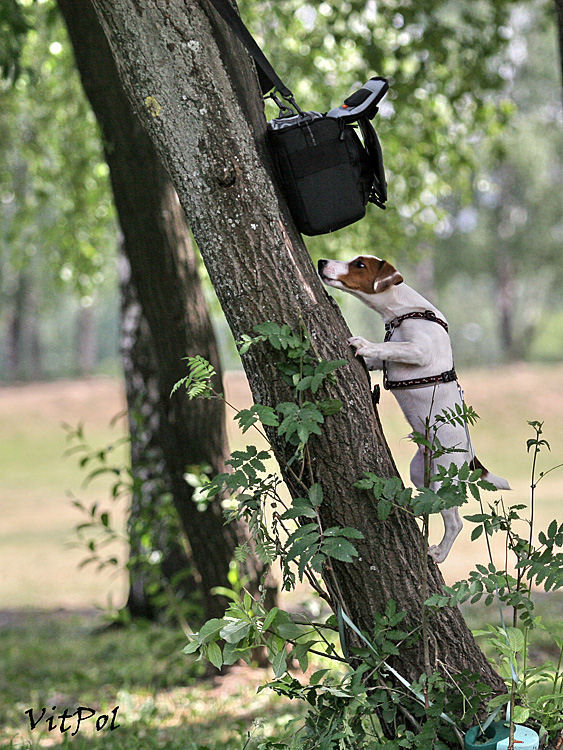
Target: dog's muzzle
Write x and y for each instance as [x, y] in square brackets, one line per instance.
[320, 266]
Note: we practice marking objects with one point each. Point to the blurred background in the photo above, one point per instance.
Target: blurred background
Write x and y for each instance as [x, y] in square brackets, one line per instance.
[472, 143]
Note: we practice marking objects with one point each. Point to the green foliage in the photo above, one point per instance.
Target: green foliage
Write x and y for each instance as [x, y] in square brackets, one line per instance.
[197, 382]
[56, 211]
[153, 526]
[14, 25]
[58, 234]
[443, 62]
[538, 690]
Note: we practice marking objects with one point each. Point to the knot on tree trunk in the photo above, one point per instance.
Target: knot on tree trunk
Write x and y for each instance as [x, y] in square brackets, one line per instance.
[226, 174]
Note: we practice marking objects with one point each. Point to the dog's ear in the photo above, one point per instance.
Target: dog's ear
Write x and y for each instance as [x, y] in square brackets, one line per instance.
[387, 275]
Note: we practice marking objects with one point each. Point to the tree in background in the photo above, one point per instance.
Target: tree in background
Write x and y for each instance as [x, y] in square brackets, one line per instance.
[169, 322]
[450, 69]
[507, 243]
[57, 225]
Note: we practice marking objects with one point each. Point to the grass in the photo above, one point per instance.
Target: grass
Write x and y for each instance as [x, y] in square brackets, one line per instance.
[66, 660]
[53, 656]
[165, 699]
[38, 518]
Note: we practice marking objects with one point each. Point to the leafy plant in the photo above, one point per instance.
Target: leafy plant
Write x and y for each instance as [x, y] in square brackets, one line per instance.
[154, 528]
[357, 687]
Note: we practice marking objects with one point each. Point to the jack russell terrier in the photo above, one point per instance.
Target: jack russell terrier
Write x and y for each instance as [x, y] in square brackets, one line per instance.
[417, 363]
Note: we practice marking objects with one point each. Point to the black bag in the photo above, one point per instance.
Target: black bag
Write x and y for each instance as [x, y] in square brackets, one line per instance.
[326, 173]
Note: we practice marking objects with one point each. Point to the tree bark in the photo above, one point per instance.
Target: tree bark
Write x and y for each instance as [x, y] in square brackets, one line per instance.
[194, 89]
[149, 514]
[23, 346]
[164, 273]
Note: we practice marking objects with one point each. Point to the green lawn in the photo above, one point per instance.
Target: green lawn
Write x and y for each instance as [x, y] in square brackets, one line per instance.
[66, 660]
[52, 656]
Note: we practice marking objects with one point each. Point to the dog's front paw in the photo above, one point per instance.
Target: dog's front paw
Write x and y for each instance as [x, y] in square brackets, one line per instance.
[363, 347]
[357, 341]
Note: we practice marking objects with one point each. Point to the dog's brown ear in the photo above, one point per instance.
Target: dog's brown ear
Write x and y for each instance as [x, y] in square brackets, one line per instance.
[387, 275]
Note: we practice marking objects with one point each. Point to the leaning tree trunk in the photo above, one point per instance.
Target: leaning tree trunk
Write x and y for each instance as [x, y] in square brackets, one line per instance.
[164, 273]
[195, 90]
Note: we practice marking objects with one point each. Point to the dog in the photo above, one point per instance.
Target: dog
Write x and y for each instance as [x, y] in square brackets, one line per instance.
[417, 362]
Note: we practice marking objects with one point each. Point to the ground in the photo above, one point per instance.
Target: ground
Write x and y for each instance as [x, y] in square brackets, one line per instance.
[47, 605]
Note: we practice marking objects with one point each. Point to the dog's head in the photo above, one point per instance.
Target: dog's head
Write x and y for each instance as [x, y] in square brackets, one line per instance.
[363, 275]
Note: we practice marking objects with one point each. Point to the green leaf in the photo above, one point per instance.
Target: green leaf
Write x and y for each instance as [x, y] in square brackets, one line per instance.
[235, 631]
[191, 647]
[339, 548]
[384, 508]
[279, 663]
[213, 653]
[476, 533]
[289, 630]
[521, 714]
[330, 406]
[498, 700]
[317, 676]
[210, 629]
[515, 639]
[316, 494]
[270, 618]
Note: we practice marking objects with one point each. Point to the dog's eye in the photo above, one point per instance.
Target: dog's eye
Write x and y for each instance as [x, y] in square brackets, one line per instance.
[358, 264]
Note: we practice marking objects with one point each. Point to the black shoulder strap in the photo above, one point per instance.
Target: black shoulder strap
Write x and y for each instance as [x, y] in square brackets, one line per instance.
[378, 194]
[268, 77]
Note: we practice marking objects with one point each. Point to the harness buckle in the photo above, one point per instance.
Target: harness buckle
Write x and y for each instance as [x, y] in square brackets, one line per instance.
[429, 315]
[449, 376]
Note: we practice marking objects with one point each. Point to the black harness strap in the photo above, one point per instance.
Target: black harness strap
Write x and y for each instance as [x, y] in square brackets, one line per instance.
[444, 377]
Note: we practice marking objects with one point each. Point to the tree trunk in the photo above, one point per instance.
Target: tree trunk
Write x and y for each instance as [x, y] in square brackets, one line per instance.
[504, 283]
[195, 91]
[14, 348]
[23, 346]
[164, 273]
[559, 11]
[86, 341]
[149, 513]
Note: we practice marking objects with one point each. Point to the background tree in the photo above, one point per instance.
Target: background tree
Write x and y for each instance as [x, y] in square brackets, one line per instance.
[513, 220]
[169, 434]
[196, 93]
[57, 226]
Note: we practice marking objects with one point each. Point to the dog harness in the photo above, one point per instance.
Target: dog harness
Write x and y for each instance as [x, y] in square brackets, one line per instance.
[444, 377]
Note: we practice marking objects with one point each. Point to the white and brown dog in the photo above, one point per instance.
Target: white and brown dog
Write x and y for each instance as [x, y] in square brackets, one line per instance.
[417, 363]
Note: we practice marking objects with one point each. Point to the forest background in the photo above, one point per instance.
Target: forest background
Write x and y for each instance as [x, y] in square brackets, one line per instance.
[473, 222]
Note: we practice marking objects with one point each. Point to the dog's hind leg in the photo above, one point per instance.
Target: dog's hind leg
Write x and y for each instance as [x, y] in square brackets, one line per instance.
[452, 526]
[417, 467]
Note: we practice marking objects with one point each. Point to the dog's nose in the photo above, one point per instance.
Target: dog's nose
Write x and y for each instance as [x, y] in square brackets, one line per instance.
[321, 264]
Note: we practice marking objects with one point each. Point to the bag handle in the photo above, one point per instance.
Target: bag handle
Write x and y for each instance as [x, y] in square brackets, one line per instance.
[267, 76]
[378, 192]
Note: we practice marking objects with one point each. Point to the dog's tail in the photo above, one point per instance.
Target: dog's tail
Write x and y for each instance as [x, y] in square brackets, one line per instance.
[499, 482]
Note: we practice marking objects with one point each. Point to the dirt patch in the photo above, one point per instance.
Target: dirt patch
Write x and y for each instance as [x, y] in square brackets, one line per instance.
[95, 400]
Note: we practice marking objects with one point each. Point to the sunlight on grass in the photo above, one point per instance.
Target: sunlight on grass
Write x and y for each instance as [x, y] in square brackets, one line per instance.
[62, 660]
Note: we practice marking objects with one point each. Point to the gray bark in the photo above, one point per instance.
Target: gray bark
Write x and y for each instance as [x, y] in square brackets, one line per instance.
[201, 110]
